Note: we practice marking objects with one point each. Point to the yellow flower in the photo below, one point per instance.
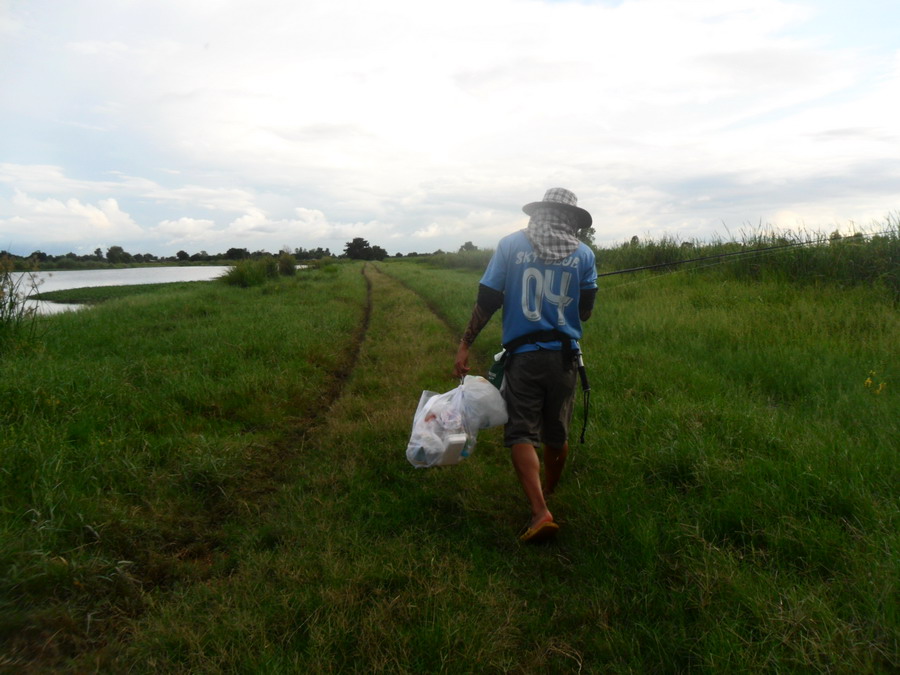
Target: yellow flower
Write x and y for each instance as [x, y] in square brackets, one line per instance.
[868, 382]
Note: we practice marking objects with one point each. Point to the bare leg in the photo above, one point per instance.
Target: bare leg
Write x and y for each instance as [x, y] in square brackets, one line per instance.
[554, 462]
[528, 469]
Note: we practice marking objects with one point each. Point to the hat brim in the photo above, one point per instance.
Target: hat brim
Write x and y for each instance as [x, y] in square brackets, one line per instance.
[584, 218]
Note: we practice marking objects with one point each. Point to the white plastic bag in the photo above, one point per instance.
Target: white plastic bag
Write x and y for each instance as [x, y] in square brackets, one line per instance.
[483, 403]
[445, 426]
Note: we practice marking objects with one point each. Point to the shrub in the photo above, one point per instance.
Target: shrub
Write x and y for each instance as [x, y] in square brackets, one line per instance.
[287, 265]
[253, 272]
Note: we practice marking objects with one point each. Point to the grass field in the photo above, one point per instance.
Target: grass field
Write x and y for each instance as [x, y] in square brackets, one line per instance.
[212, 479]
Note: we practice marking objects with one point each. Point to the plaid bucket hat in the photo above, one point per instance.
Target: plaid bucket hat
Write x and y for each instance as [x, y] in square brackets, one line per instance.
[562, 199]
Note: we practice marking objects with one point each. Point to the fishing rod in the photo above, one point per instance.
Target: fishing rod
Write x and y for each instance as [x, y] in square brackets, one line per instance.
[719, 256]
[707, 257]
[714, 262]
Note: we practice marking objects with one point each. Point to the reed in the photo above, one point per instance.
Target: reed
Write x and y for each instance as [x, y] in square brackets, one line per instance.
[865, 256]
[18, 321]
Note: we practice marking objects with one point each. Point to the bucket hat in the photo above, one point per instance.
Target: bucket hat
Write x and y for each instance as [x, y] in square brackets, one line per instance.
[562, 199]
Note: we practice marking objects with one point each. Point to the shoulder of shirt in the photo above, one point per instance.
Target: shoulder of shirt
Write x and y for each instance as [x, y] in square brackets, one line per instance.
[512, 236]
[514, 239]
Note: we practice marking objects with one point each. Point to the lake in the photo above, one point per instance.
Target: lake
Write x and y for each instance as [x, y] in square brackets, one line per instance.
[66, 279]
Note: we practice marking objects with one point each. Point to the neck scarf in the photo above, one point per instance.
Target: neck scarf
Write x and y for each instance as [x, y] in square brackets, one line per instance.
[552, 233]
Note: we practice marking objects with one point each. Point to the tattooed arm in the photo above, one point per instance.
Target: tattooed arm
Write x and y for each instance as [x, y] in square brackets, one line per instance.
[489, 301]
[586, 303]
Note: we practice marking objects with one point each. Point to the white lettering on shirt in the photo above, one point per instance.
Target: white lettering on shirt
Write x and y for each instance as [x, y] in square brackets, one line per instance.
[524, 258]
[536, 287]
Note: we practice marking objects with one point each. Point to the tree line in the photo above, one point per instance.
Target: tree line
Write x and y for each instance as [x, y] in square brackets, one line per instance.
[357, 249]
[116, 255]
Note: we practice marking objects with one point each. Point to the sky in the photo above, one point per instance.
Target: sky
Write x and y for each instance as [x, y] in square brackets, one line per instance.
[202, 125]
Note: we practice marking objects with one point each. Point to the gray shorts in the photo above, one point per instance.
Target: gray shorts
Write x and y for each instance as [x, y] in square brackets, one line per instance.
[539, 398]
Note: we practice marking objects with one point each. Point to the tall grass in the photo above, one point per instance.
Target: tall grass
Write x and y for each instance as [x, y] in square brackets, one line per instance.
[18, 321]
[472, 260]
[864, 257]
[867, 256]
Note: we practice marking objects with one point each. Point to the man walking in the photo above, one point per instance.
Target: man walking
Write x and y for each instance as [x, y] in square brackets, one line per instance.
[545, 278]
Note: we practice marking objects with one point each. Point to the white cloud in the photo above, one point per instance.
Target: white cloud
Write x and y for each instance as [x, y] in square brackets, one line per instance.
[217, 199]
[39, 178]
[403, 122]
[430, 232]
[68, 222]
[100, 48]
[186, 230]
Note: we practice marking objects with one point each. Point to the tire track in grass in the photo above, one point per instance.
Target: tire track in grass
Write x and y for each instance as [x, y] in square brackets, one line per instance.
[489, 342]
[271, 468]
[341, 377]
[349, 465]
[391, 348]
[203, 548]
[433, 307]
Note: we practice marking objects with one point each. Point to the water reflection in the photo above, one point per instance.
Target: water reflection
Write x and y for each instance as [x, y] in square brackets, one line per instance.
[45, 307]
[44, 282]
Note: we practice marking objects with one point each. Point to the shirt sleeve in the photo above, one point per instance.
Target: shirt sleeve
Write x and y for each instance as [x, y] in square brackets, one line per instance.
[589, 273]
[495, 273]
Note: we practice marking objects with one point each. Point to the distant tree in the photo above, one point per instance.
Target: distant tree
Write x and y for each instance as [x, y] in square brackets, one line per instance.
[378, 253]
[117, 254]
[237, 254]
[98, 254]
[183, 256]
[586, 234]
[358, 249]
[468, 246]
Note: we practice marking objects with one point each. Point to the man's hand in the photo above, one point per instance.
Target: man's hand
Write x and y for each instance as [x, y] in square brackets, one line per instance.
[461, 365]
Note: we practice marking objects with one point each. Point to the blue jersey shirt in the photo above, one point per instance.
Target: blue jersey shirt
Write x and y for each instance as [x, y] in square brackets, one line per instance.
[539, 296]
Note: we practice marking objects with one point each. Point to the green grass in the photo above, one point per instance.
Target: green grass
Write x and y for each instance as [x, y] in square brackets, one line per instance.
[739, 480]
[179, 495]
[93, 295]
[143, 425]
